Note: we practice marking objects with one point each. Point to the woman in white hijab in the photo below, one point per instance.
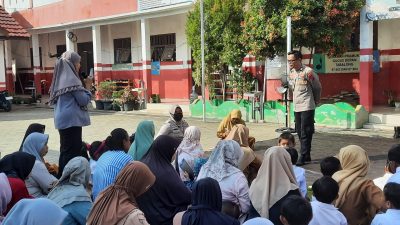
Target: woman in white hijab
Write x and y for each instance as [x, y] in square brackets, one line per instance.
[38, 211]
[175, 126]
[275, 182]
[5, 194]
[70, 100]
[223, 166]
[188, 151]
[70, 192]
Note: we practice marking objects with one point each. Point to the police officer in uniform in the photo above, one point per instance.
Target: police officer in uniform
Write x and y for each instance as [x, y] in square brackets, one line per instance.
[306, 89]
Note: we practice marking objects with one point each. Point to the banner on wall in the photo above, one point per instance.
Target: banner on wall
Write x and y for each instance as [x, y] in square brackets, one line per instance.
[383, 9]
[347, 63]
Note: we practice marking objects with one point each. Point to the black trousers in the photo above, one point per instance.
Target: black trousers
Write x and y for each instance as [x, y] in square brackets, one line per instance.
[304, 122]
[70, 146]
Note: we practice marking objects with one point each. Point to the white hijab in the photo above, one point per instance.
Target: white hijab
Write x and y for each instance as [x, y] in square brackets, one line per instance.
[223, 162]
[190, 142]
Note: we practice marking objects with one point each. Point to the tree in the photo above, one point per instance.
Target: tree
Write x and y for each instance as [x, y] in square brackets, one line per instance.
[223, 46]
[324, 25]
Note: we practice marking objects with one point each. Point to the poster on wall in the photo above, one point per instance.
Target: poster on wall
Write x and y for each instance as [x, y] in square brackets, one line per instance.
[346, 63]
[155, 68]
[383, 9]
[276, 67]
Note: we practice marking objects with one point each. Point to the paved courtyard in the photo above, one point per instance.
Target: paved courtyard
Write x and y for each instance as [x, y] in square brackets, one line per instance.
[327, 141]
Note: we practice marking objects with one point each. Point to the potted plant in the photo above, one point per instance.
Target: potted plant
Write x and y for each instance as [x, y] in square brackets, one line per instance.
[129, 101]
[117, 104]
[106, 90]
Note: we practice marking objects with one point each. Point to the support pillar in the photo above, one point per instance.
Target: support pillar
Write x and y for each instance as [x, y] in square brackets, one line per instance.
[3, 82]
[10, 77]
[366, 62]
[146, 55]
[97, 56]
[36, 63]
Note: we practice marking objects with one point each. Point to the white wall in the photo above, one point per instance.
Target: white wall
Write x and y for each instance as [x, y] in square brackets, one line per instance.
[48, 43]
[388, 34]
[20, 51]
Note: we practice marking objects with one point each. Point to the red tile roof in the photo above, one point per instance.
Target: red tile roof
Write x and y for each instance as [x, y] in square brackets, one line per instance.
[12, 27]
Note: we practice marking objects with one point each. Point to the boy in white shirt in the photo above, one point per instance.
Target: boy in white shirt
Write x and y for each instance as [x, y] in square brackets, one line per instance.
[299, 172]
[392, 197]
[325, 192]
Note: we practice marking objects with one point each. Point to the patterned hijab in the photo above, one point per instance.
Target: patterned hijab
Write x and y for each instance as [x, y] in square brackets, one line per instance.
[73, 182]
[223, 162]
[274, 180]
[34, 144]
[119, 199]
[40, 211]
[144, 137]
[65, 77]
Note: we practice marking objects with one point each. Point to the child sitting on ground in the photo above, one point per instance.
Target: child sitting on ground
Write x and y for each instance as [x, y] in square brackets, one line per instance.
[392, 197]
[299, 172]
[329, 166]
[296, 211]
[286, 140]
[325, 191]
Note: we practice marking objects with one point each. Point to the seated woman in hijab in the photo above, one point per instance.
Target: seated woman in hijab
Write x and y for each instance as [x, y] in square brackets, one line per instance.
[5, 195]
[250, 163]
[32, 128]
[117, 204]
[39, 128]
[229, 122]
[35, 212]
[359, 198]
[206, 206]
[70, 192]
[144, 136]
[17, 166]
[175, 126]
[39, 181]
[168, 195]
[223, 166]
[275, 182]
[188, 151]
[111, 162]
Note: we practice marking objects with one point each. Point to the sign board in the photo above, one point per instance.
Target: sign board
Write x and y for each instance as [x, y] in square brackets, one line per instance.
[347, 63]
[155, 68]
[383, 9]
[276, 67]
[123, 66]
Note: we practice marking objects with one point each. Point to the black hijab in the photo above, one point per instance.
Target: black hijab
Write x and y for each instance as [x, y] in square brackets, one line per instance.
[34, 127]
[17, 165]
[168, 195]
[206, 205]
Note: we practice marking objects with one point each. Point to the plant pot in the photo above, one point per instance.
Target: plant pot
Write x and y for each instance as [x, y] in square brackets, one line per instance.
[397, 105]
[108, 104]
[116, 107]
[99, 104]
[129, 106]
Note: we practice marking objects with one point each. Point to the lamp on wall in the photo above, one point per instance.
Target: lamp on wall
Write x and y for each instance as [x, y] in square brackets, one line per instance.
[71, 36]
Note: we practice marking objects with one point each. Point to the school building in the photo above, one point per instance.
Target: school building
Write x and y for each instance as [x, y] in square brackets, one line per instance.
[119, 40]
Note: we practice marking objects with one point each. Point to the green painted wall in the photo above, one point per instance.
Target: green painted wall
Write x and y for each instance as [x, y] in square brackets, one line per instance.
[341, 115]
